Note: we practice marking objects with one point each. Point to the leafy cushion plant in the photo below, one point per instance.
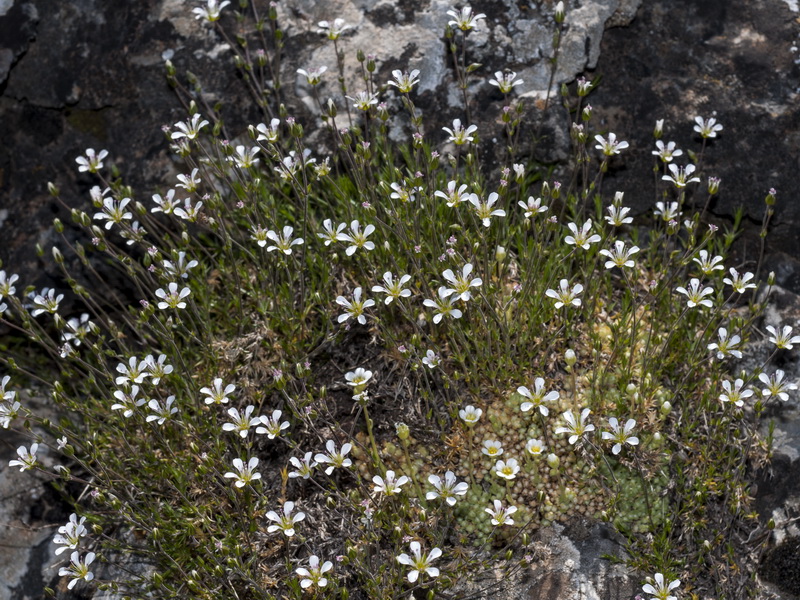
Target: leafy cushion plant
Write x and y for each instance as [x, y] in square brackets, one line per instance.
[363, 368]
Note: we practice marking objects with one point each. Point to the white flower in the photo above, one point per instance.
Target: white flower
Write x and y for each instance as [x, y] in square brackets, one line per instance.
[358, 378]
[447, 489]
[218, 392]
[91, 162]
[500, 514]
[619, 256]
[734, 393]
[312, 77]
[707, 128]
[189, 183]
[165, 205]
[666, 152]
[453, 196]
[776, 386]
[696, 294]
[619, 435]
[403, 192]
[419, 562]
[389, 485]
[609, 145]
[470, 414]
[9, 409]
[314, 575]
[535, 447]
[564, 295]
[7, 284]
[739, 283]
[191, 128]
[708, 264]
[484, 209]
[286, 521]
[431, 360]
[356, 238]
[532, 207]
[244, 158]
[162, 413]
[268, 133]
[272, 425]
[134, 372]
[27, 459]
[245, 473]
[464, 20]
[354, 309]
[507, 469]
[405, 81]
[681, 175]
[393, 289]
[180, 268]
[462, 283]
[726, 346]
[667, 212]
[443, 305]
[78, 569]
[458, 135]
[576, 428]
[69, 535]
[127, 401]
[661, 591]
[617, 215]
[335, 458]
[782, 340]
[304, 466]
[363, 100]
[283, 242]
[241, 422]
[189, 211]
[46, 302]
[173, 298]
[581, 238]
[536, 397]
[335, 29]
[505, 81]
[157, 368]
[114, 212]
[492, 448]
[331, 235]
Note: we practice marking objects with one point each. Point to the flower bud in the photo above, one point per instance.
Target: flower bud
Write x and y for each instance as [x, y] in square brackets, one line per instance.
[713, 185]
[500, 254]
[770, 199]
[553, 461]
[51, 187]
[666, 408]
[402, 431]
[559, 12]
[570, 358]
[57, 256]
[587, 112]
[659, 129]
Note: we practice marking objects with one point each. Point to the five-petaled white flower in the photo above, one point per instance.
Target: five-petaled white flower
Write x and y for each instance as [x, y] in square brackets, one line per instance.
[218, 392]
[241, 422]
[245, 473]
[389, 485]
[134, 372]
[661, 590]
[464, 20]
[696, 294]
[507, 469]
[535, 398]
[620, 435]
[444, 305]
[162, 413]
[461, 283]
[272, 425]
[354, 308]
[190, 183]
[492, 448]
[470, 414]
[739, 282]
[619, 256]
[734, 393]
[501, 515]
[191, 128]
[666, 152]
[259, 235]
[284, 241]
[358, 378]
[484, 210]
[431, 359]
[783, 340]
[27, 459]
[268, 133]
[46, 302]
[708, 264]
[69, 535]
[707, 128]
[419, 562]
[726, 345]
[403, 192]
[681, 175]
[335, 29]
[618, 215]
[575, 427]
[564, 296]
[532, 207]
[404, 81]
[447, 489]
[581, 237]
[610, 145]
[534, 447]
[454, 195]
[244, 157]
[114, 212]
[776, 386]
[357, 238]
[667, 211]
[330, 234]
[172, 298]
[7, 284]
[335, 458]
[363, 100]
[304, 466]
[78, 569]
[92, 162]
[166, 204]
[211, 12]
[286, 521]
[315, 574]
[505, 81]
[458, 135]
[312, 77]
[393, 289]
[127, 402]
